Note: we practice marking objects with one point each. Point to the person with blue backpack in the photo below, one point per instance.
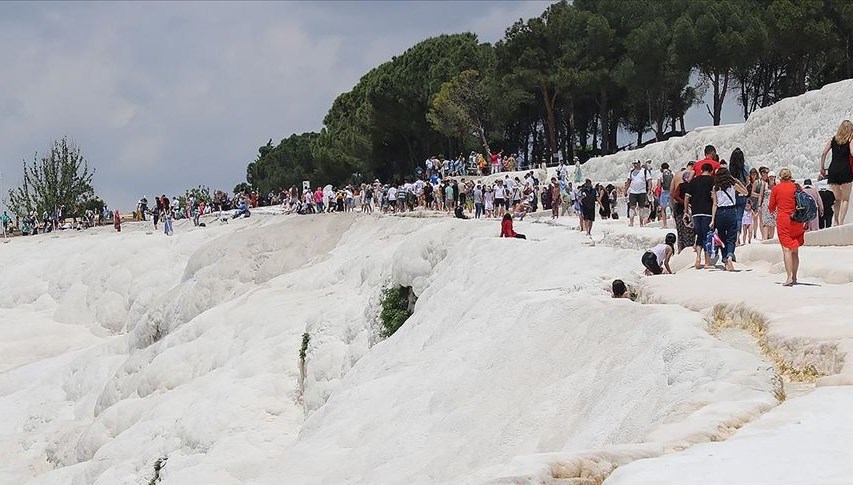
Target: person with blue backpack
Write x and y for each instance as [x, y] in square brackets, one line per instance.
[793, 209]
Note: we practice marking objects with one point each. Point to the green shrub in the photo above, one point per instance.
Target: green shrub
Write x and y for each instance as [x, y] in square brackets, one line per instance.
[395, 309]
[302, 350]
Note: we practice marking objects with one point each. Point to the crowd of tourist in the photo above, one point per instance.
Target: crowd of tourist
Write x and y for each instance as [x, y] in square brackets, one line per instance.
[718, 205]
[32, 223]
[714, 204]
[190, 207]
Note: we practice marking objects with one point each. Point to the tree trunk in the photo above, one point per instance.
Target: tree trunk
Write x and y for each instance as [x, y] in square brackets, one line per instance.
[604, 117]
[482, 133]
[718, 108]
[612, 134]
[719, 94]
[595, 133]
[551, 119]
[570, 128]
[681, 122]
[661, 129]
[411, 154]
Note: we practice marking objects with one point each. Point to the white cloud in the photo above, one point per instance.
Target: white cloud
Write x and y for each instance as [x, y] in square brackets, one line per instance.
[163, 96]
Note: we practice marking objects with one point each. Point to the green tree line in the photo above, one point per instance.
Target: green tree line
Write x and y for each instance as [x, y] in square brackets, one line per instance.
[566, 82]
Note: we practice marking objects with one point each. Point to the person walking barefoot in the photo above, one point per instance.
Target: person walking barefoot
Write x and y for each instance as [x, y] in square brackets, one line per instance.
[746, 224]
[840, 173]
[790, 232]
[768, 219]
[638, 187]
[724, 212]
[698, 206]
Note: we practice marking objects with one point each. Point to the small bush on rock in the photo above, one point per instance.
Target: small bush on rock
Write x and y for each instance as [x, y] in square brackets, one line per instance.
[304, 349]
[397, 303]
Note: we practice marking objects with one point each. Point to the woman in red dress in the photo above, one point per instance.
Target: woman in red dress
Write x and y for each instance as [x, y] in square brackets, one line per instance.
[790, 232]
[506, 228]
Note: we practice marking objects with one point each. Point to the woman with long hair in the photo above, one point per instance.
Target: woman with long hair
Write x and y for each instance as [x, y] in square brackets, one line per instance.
[724, 213]
[790, 232]
[604, 201]
[737, 167]
[840, 173]
[752, 185]
[506, 228]
[768, 219]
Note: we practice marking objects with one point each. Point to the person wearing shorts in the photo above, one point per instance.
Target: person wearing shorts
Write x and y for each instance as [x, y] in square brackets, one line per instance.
[698, 203]
[500, 198]
[638, 201]
[637, 186]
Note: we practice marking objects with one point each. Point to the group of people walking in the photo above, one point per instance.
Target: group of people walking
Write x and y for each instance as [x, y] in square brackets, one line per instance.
[716, 205]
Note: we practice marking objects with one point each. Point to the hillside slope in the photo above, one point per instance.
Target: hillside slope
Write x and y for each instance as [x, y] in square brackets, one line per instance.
[514, 348]
[790, 133]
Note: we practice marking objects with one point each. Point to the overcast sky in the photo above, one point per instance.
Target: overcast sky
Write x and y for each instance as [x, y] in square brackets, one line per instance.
[163, 96]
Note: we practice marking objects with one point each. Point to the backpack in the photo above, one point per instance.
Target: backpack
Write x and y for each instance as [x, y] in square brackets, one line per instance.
[666, 179]
[806, 209]
[646, 176]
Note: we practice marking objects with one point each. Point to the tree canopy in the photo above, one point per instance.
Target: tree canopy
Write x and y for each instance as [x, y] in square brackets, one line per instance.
[60, 179]
[563, 84]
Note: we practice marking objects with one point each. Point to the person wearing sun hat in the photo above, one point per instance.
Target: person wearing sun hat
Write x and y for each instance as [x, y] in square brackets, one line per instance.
[637, 186]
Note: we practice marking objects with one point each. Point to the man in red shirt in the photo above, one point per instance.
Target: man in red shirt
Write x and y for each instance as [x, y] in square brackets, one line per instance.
[494, 158]
[710, 157]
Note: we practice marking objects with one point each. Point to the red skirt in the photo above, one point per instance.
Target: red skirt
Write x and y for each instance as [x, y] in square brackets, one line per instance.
[790, 232]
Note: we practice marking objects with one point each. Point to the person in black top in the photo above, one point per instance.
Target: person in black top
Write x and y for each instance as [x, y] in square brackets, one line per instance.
[698, 205]
[587, 201]
[458, 212]
[840, 173]
[828, 199]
